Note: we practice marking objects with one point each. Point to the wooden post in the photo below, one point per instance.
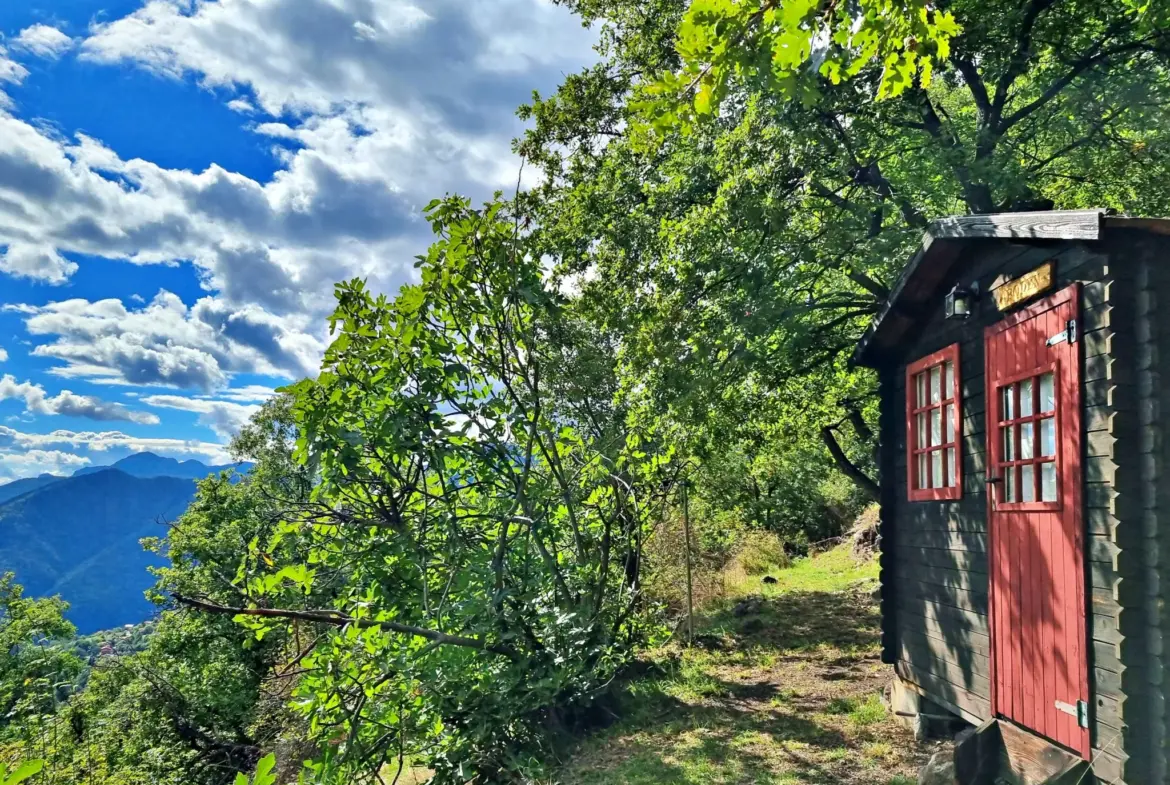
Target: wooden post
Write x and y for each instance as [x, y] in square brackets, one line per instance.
[690, 587]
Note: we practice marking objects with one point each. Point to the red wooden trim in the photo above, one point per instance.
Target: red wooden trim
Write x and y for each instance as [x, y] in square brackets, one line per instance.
[1035, 309]
[1013, 680]
[951, 397]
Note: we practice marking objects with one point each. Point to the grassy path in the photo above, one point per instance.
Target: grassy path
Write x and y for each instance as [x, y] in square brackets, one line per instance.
[787, 692]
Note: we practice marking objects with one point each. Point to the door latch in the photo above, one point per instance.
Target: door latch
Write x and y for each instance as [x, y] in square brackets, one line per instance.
[1069, 333]
[1080, 710]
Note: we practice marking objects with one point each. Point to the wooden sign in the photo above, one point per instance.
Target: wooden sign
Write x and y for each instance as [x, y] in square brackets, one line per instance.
[1025, 287]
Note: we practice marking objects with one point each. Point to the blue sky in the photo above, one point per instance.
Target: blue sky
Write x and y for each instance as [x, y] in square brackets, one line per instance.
[182, 181]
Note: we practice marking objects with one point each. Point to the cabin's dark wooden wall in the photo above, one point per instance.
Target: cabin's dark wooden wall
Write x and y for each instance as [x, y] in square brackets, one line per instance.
[1141, 506]
[934, 560]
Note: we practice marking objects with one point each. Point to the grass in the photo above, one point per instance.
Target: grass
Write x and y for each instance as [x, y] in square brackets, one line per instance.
[788, 694]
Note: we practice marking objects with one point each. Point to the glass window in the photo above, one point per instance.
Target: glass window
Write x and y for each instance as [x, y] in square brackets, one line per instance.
[1026, 398]
[1047, 393]
[934, 436]
[1048, 437]
[1048, 482]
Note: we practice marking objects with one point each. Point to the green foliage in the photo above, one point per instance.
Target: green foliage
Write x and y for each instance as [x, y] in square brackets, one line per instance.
[479, 516]
[757, 552]
[36, 674]
[790, 46]
[264, 773]
[20, 773]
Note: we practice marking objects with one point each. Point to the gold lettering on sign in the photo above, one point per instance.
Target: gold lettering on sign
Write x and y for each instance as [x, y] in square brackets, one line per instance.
[1025, 287]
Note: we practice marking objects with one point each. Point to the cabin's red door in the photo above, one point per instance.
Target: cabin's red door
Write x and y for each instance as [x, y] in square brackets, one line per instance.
[1039, 668]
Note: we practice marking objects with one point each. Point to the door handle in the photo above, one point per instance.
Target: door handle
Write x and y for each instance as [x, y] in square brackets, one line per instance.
[993, 483]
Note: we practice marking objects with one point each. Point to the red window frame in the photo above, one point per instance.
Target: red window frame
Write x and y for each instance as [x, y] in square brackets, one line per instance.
[950, 439]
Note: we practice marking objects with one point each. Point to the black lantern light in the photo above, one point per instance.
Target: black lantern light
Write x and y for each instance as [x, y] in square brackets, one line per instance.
[961, 301]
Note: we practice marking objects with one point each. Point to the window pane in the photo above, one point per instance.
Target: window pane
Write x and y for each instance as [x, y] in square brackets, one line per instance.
[1009, 443]
[935, 427]
[923, 477]
[921, 431]
[1026, 398]
[936, 474]
[1027, 441]
[920, 385]
[1047, 393]
[1048, 437]
[1028, 483]
[1048, 482]
[950, 423]
[950, 390]
[1009, 484]
[936, 384]
[951, 472]
[1008, 403]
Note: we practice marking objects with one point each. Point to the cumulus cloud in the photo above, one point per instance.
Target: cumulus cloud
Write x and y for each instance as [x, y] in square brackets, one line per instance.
[37, 401]
[241, 105]
[3, 355]
[11, 71]
[31, 463]
[12, 440]
[166, 343]
[372, 107]
[225, 418]
[37, 261]
[43, 40]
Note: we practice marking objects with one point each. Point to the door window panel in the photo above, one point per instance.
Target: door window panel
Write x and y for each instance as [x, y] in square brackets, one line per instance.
[1027, 462]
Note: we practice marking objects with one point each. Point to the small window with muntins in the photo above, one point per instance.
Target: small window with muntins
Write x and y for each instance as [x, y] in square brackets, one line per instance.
[1027, 446]
[934, 457]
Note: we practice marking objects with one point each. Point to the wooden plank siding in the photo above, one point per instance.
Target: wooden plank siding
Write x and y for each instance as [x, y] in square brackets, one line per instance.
[1140, 506]
[935, 554]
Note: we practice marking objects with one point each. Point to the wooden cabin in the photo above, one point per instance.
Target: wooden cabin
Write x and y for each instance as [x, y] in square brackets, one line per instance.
[1024, 369]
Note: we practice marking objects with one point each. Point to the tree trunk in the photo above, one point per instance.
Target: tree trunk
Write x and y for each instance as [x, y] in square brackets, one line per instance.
[862, 480]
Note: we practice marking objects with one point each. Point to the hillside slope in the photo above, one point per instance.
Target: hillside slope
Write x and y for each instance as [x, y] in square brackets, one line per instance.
[78, 537]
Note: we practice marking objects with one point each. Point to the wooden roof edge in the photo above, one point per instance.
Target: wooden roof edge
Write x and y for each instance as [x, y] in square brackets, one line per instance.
[1046, 225]
[1050, 225]
[1155, 225]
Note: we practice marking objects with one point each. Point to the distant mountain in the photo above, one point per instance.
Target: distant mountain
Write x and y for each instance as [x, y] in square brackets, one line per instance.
[147, 464]
[18, 487]
[78, 537]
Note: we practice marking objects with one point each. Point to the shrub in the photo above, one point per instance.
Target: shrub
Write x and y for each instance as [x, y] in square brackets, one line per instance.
[757, 552]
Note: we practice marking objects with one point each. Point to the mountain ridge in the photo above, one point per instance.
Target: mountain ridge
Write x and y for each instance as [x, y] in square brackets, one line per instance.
[78, 536]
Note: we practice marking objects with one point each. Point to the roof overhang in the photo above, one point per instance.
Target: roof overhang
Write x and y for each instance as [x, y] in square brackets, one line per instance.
[929, 268]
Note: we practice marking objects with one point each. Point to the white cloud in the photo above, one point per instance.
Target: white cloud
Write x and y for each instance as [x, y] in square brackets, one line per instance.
[43, 40]
[223, 417]
[252, 393]
[382, 105]
[12, 440]
[31, 463]
[3, 355]
[11, 72]
[37, 261]
[37, 401]
[241, 105]
[166, 343]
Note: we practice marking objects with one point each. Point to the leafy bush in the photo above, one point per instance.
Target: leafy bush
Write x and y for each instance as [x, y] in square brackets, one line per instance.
[478, 523]
[757, 552]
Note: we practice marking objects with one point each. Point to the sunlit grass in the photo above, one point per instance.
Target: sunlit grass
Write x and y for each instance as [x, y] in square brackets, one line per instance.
[784, 695]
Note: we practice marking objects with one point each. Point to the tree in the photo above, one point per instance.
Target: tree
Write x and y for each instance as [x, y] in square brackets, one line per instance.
[205, 699]
[478, 514]
[739, 257]
[36, 672]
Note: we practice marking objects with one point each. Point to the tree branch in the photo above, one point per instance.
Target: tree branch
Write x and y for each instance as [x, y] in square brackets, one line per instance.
[338, 619]
[847, 467]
